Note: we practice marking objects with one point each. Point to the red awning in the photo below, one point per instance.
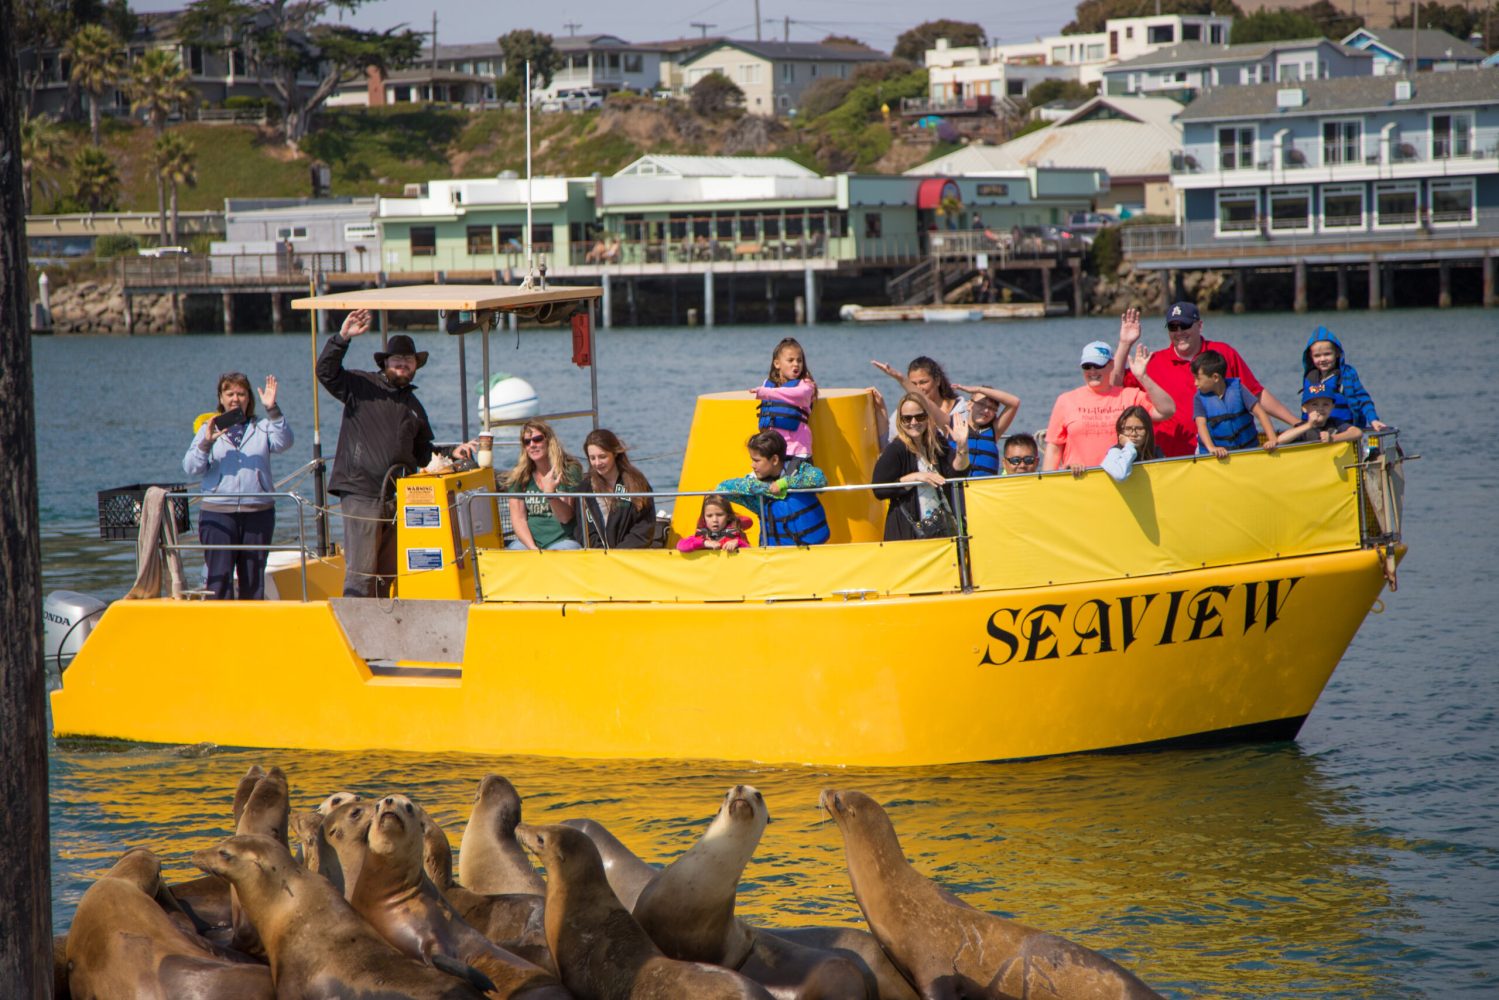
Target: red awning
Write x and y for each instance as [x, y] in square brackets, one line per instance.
[930, 192]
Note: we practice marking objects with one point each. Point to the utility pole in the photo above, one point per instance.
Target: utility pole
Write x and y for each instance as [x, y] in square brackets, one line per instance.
[1415, 27]
[25, 848]
[757, 21]
[434, 47]
[701, 27]
[572, 28]
[786, 36]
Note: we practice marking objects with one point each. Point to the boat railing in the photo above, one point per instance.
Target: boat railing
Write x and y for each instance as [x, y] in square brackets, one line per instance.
[1382, 484]
[302, 504]
[957, 510]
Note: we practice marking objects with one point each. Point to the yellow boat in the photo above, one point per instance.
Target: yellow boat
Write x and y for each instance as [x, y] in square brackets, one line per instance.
[1198, 601]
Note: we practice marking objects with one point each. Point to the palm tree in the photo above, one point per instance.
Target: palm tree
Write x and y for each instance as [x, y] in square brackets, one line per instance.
[96, 183]
[158, 85]
[176, 164]
[41, 148]
[97, 62]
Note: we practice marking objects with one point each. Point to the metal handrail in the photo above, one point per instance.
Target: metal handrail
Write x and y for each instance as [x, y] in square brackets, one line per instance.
[300, 547]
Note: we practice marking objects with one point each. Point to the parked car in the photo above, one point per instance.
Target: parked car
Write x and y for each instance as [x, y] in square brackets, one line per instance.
[164, 252]
[1041, 241]
[1087, 224]
[575, 99]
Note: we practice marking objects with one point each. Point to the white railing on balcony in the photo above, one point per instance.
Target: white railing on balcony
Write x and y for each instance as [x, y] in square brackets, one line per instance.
[1445, 154]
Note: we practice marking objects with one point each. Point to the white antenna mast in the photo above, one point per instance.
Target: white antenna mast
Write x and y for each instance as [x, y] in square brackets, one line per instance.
[531, 272]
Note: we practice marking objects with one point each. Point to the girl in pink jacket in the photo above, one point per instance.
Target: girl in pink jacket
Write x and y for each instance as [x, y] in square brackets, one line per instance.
[786, 399]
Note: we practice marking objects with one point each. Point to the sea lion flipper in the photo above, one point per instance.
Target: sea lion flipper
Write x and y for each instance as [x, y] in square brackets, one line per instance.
[464, 971]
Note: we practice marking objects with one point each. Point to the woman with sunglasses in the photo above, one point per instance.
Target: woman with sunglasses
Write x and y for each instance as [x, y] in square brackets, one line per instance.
[543, 521]
[232, 454]
[1081, 429]
[926, 377]
[919, 453]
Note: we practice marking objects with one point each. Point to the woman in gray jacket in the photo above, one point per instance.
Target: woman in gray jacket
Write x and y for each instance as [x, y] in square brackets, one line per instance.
[234, 458]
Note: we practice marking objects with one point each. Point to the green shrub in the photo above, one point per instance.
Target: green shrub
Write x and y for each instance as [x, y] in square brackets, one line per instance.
[115, 245]
[1107, 252]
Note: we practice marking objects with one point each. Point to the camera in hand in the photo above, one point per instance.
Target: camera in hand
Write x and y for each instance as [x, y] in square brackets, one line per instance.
[228, 419]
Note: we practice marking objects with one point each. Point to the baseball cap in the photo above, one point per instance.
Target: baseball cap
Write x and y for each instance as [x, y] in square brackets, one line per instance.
[1182, 312]
[1320, 390]
[1097, 353]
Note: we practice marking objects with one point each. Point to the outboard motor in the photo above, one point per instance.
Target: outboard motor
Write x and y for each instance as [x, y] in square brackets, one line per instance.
[68, 617]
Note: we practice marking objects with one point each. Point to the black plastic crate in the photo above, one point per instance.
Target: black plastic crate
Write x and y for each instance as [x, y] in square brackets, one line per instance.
[120, 509]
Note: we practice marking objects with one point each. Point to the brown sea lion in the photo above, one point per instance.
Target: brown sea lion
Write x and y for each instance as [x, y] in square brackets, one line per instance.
[243, 788]
[306, 830]
[627, 874]
[396, 897]
[688, 910]
[123, 943]
[489, 859]
[345, 829]
[437, 850]
[265, 812]
[514, 921]
[319, 948]
[860, 947]
[601, 951]
[948, 949]
[335, 800]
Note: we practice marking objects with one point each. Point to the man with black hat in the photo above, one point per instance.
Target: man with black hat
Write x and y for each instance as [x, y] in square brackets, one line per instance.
[1171, 369]
[385, 434]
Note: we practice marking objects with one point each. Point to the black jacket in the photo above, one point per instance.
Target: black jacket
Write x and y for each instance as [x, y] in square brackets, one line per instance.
[382, 425]
[905, 510]
[624, 528]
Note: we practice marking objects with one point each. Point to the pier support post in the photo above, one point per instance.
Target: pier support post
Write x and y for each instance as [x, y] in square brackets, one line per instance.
[1240, 279]
[708, 297]
[630, 298]
[1376, 300]
[129, 315]
[1444, 285]
[1173, 287]
[1046, 287]
[278, 321]
[799, 310]
[1489, 298]
[770, 298]
[1298, 303]
[606, 306]
[1077, 287]
[228, 312]
[1342, 304]
[380, 282]
[811, 283]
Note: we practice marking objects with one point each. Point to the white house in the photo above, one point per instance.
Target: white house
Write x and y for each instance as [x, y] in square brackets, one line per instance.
[773, 75]
[1189, 67]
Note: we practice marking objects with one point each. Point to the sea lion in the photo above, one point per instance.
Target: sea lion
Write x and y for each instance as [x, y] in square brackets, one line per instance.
[345, 829]
[243, 788]
[124, 944]
[688, 910]
[602, 953]
[948, 949]
[265, 811]
[489, 859]
[515, 921]
[307, 833]
[335, 800]
[319, 948]
[859, 947]
[401, 903]
[437, 850]
[627, 874]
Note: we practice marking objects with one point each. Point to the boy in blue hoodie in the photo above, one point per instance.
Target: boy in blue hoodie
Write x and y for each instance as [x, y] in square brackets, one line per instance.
[1323, 364]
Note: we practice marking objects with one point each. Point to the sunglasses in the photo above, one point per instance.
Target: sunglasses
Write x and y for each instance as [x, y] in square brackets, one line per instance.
[913, 418]
[1020, 459]
[1178, 327]
[534, 439]
[233, 377]
[1092, 367]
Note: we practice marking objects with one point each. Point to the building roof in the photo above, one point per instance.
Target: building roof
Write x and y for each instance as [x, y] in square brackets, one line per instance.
[794, 51]
[1135, 142]
[1430, 43]
[714, 166]
[1196, 53]
[1345, 94]
[426, 74]
[471, 50]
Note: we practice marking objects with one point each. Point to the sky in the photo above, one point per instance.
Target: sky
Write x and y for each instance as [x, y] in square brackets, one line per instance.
[875, 22]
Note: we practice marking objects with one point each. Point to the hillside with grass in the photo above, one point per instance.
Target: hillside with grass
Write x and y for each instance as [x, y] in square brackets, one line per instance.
[379, 151]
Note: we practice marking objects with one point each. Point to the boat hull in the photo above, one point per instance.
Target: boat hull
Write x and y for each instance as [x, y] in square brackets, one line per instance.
[1225, 653]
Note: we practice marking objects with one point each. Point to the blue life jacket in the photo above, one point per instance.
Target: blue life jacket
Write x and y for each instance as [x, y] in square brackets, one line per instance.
[983, 452]
[781, 416]
[798, 519]
[1229, 417]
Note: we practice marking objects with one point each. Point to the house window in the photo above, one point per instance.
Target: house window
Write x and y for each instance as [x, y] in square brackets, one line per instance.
[838, 223]
[1129, 32]
[541, 235]
[812, 69]
[1451, 135]
[794, 225]
[634, 228]
[1452, 202]
[749, 73]
[788, 72]
[749, 226]
[1343, 207]
[1291, 210]
[291, 234]
[1395, 205]
[634, 62]
[1238, 213]
[1342, 142]
[423, 241]
[1191, 32]
[614, 61]
[1215, 34]
[510, 238]
[1160, 34]
[1093, 53]
[677, 226]
[480, 240]
[1289, 73]
[723, 226]
[1235, 148]
[1015, 88]
[772, 227]
[1058, 54]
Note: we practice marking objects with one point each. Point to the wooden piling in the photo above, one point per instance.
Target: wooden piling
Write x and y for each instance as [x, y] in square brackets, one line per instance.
[228, 300]
[1298, 302]
[1444, 285]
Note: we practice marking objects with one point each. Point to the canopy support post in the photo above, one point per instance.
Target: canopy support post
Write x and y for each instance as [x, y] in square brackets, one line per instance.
[593, 360]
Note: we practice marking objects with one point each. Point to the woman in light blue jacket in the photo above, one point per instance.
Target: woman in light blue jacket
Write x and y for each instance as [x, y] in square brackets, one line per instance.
[234, 460]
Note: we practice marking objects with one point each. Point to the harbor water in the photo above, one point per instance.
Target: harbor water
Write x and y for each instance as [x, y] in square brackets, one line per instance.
[1359, 861]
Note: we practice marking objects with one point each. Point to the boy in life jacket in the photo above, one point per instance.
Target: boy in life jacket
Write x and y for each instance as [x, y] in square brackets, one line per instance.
[785, 518]
[1225, 411]
[1320, 406]
[990, 414]
[1323, 364]
[786, 400]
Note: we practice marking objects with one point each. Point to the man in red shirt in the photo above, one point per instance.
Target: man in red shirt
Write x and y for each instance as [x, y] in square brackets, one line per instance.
[1172, 370]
